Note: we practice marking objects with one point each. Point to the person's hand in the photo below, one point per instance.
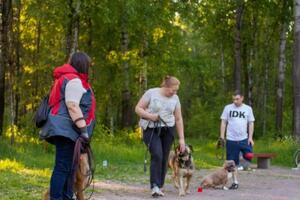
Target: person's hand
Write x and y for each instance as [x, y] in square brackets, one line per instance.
[250, 142]
[84, 139]
[84, 136]
[85, 143]
[182, 145]
[84, 132]
[154, 117]
[221, 143]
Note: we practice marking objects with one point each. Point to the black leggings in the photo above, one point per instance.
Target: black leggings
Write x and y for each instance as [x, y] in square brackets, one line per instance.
[160, 146]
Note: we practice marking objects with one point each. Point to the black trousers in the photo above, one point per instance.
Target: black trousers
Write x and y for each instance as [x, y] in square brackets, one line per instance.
[159, 148]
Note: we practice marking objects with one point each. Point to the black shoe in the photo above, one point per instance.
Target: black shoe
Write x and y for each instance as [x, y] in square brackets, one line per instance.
[234, 186]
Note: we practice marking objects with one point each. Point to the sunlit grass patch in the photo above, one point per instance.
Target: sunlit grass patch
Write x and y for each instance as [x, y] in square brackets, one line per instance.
[22, 186]
[19, 182]
[17, 167]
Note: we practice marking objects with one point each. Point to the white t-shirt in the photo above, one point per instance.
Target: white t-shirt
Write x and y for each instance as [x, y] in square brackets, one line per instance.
[74, 90]
[161, 105]
[237, 121]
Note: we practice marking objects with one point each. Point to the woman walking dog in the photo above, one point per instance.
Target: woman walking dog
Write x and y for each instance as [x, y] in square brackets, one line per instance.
[160, 112]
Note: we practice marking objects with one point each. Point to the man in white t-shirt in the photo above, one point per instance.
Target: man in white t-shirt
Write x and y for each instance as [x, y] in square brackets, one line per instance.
[237, 121]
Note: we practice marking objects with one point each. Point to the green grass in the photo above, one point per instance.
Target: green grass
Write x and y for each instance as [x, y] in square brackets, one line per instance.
[25, 167]
[24, 170]
[284, 150]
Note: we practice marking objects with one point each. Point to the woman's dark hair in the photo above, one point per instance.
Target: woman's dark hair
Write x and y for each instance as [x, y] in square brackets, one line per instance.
[81, 62]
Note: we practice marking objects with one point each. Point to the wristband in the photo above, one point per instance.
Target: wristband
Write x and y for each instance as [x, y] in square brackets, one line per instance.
[78, 119]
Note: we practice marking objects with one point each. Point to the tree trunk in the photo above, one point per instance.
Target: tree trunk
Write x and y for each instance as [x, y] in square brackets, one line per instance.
[265, 97]
[265, 86]
[223, 68]
[72, 28]
[237, 47]
[143, 73]
[11, 104]
[6, 21]
[281, 77]
[17, 63]
[36, 58]
[252, 57]
[250, 77]
[90, 47]
[126, 95]
[69, 30]
[2, 72]
[76, 26]
[12, 74]
[296, 73]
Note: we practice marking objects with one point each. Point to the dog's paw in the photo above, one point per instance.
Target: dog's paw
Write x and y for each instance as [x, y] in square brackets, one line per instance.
[181, 194]
[188, 191]
[234, 186]
[225, 188]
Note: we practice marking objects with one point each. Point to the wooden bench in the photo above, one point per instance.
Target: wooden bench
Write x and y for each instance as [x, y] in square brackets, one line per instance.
[263, 159]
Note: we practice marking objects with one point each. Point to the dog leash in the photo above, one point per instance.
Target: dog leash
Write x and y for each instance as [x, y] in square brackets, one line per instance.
[90, 173]
[157, 125]
[75, 166]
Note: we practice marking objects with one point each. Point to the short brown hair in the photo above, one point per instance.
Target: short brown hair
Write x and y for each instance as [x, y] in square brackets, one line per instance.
[238, 92]
[169, 81]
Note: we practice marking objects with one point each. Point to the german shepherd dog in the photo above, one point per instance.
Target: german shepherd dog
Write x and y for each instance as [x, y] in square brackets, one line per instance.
[81, 180]
[182, 165]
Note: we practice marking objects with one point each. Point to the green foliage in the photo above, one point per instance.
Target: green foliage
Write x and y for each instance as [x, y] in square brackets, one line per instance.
[192, 40]
[204, 123]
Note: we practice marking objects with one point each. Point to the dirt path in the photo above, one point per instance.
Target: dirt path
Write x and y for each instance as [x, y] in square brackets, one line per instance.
[275, 183]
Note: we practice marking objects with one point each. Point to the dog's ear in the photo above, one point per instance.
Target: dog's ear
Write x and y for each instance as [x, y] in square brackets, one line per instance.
[226, 163]
[191, 147]
[230, 162]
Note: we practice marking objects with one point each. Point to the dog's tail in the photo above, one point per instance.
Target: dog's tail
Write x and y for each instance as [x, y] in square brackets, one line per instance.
[171, 158]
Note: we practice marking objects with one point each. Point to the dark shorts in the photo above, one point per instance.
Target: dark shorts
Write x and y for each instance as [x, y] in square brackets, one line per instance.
[233, 149]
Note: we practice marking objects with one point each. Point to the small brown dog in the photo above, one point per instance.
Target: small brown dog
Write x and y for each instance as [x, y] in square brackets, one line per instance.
[220, 177]
[182, 165]
[81, 180]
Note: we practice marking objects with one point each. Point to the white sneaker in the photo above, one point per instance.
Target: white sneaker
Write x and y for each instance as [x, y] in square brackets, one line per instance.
[156, 192]
[240, 168]
[160, 193]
